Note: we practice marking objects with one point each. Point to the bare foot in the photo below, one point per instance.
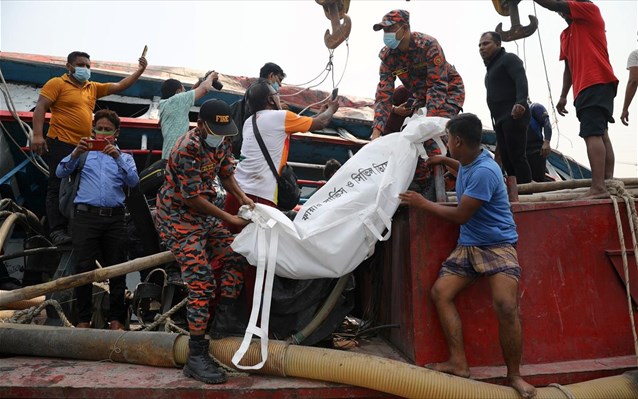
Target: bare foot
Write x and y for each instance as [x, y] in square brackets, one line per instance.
[596, 194]
[450, 368]
[524, 389]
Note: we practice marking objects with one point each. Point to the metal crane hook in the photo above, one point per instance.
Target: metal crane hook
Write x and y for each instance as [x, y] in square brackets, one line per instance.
[517, 30]
[335, 11]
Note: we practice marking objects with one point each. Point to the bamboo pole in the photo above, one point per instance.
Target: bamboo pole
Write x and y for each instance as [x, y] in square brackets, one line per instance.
[562, 196]
[529, 188]
[565, 195]
[85, 278]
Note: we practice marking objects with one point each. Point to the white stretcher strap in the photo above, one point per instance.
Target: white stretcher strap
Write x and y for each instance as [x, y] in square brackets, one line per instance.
[387, 222]
[265, 271]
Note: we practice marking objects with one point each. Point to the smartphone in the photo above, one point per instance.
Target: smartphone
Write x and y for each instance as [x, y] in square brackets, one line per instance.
[335, 92]
[144, 52]
[96, 145]
[410, 102]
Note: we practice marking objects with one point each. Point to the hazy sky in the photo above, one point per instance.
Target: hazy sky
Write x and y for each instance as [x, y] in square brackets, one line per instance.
[238, 37]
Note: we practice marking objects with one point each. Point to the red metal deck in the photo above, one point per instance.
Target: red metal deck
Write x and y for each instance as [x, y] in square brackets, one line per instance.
[30, 377]
[24, 377]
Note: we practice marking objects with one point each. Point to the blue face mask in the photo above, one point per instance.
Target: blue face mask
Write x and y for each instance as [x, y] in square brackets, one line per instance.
[275, 86]
[390, 39]
[82, 74]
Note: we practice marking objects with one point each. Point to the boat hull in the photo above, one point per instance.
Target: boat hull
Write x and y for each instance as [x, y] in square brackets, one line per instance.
[573, 302]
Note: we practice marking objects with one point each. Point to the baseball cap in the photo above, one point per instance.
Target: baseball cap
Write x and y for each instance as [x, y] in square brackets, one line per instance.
[392, 18]
[216, 114]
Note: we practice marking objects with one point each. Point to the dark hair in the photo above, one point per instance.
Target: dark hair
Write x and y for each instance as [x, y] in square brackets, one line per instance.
[75, 54]
[257, 95]
[170, 87]
[468, 127]
[108, 114]
[495, 37]
[332, 165]
[271, 67]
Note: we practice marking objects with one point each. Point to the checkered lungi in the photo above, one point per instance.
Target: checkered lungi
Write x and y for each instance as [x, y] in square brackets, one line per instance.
[473, 262]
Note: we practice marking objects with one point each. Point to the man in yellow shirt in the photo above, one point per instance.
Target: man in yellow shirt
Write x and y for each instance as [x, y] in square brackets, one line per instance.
[71, 99]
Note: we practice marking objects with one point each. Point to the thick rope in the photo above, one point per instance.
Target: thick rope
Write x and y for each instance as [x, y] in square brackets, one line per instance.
[617, 189]
[162, 318]
[26, 316]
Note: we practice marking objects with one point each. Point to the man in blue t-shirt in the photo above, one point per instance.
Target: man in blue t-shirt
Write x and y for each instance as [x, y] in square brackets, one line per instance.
[486, 247]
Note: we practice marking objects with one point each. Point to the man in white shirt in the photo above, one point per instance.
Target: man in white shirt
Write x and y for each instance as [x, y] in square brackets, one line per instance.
[275, 126]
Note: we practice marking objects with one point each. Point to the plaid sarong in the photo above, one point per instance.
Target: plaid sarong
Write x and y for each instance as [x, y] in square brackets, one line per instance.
[488, 260]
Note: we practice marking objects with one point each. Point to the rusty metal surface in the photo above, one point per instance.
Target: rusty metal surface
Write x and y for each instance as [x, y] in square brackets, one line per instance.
[151, 348]
[54, 378]
[564, 373]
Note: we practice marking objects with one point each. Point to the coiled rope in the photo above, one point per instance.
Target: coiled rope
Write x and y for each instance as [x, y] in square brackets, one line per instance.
[26, 316]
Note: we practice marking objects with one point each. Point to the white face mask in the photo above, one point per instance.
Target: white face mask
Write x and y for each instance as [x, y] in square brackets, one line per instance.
[212, 140]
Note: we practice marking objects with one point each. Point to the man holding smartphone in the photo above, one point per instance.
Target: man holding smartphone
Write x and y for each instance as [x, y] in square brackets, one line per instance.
[99, 230]
[71, 99]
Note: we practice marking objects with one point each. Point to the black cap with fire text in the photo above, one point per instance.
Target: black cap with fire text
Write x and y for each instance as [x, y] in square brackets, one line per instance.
[216, 114]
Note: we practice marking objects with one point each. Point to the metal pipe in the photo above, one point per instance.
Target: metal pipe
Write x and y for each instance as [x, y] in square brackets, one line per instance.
[139, 347]
[305, 165]
[439, 184]
[134, 152]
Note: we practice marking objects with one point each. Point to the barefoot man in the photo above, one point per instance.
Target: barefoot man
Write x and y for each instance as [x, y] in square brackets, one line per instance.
[583, 47]
[486, 247]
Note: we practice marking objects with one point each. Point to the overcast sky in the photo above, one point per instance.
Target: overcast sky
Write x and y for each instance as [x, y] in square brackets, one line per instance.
[238, 37]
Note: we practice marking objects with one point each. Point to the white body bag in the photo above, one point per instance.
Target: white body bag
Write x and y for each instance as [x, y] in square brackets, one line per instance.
[338, 227]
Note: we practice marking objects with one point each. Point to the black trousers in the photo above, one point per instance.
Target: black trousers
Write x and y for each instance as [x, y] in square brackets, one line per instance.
[103, 238]
[511, 136]
[57, 151]
[537, 164]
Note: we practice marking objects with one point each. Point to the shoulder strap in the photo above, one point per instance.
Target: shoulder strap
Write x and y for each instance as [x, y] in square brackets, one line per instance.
[78, 171]
[264, 150]
[82, 161]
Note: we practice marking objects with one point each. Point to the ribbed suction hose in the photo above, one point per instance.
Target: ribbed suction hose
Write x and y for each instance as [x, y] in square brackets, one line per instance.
[391, 376]
[384, 375]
